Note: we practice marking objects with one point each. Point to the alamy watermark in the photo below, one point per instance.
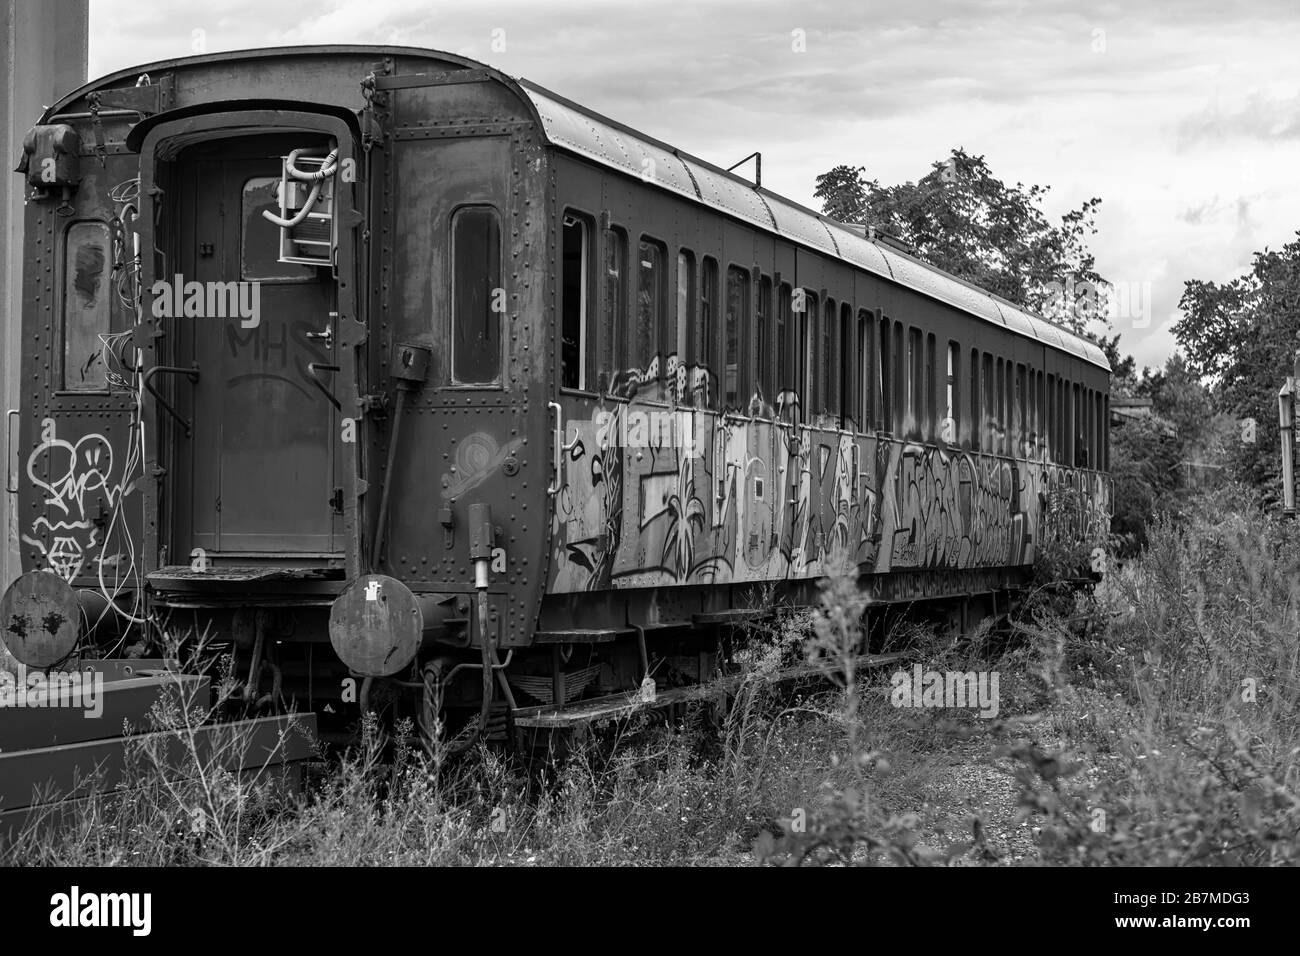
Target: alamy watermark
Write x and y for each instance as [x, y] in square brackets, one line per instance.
[208, 300]
[77, 909]
[1083, 299]
[632, 428]
[922, 688]
[41, 689]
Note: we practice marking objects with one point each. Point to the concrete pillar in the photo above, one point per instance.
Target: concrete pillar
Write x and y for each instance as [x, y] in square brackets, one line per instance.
[43, 55]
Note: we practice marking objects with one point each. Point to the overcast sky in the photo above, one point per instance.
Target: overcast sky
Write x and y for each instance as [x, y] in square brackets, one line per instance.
[1182, 115]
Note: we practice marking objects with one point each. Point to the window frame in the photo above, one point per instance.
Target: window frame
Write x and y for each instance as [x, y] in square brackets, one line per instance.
[684, 307]
[613, 309]
[112, 320]
[657, 325]
[707, 333]
[744, 281]
[499, 383]
[588, 340]
[763, 335]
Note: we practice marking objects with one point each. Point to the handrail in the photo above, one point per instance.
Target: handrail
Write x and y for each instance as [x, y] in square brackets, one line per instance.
[557, 443]
[9, 451]
[559, 447]
[191, 373]
[312, 369]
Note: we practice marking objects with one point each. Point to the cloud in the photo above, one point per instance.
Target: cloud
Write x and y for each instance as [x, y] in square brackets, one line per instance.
[1175, 112]
[1260, 117]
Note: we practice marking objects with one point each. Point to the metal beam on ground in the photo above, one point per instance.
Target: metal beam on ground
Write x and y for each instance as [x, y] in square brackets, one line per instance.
[73, 770]
[118, 703]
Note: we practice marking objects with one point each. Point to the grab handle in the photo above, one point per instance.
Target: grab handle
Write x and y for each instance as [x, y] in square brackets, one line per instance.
[10, 486]
[557, 443]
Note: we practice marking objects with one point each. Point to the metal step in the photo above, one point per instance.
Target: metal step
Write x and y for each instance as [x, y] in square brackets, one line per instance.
[617, 706]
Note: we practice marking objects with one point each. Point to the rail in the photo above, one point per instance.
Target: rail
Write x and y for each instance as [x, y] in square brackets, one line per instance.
[191, 373]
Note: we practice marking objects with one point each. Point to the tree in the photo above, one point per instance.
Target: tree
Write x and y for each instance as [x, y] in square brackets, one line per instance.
[965, 220]
[1241, 337]
[1123, 368]
[1157, 462]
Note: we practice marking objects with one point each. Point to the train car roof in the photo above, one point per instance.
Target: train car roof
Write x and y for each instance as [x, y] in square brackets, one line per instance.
[576, 129]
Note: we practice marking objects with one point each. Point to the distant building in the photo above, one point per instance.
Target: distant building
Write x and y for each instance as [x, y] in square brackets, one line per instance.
[1124, 409]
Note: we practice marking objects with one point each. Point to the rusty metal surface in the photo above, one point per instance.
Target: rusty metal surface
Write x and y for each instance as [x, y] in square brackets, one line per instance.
[376, 625]
[39, 619]
[775, 502]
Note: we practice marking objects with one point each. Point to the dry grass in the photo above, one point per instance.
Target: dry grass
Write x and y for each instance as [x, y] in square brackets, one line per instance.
[1154, 721]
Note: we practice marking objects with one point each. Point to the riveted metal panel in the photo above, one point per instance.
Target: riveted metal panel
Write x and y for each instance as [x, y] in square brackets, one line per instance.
[798, 225]
[576, 131]
[730, 195]
[1015, 319]
[1048, 334]
[862, 252]
[924, 279]
[573, 128]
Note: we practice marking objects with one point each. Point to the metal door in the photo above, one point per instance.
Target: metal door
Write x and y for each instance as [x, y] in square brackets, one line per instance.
[262, 457]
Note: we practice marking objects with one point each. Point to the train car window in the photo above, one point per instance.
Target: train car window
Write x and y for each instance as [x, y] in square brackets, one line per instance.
[929, 429]
[950, 430]
[1009, 413]
[613, 320]
[989, 411]
[1040, 444]
[900, 380]
[650, 308]
[1062, 439]
[784, 381]
[1076, 407]
[87, 309]
[973, 428]
[1031, 400]
[1021, 423]
[706, 341]
[738, 284]
[829, 361]
[810, 380]
[1105, 413]
[885, 421]
[1000, 403]
[762, 341]
[1050, 421]
[1067, 425]
[866, 362]
[844, 367]
[1092, 429]
[477, 305]
[259, 240]
[575, 263]
[1085, 426]
[914, 423]
[1081, 396]
[680, 384]
[1099, 432]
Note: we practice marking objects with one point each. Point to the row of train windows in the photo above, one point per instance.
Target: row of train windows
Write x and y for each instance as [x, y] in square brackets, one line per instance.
[697, 349]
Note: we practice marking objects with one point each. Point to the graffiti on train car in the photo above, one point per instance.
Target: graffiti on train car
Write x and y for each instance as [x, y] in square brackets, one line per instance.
[73, 477]
[734, 499]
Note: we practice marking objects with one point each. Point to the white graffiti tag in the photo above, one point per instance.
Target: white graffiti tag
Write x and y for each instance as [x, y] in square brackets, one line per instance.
[67, 474]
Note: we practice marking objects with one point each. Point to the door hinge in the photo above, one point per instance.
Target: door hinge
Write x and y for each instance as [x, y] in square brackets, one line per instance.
[336, 501]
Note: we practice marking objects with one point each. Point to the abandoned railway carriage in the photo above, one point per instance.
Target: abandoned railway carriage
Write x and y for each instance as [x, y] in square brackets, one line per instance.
[380, 350]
